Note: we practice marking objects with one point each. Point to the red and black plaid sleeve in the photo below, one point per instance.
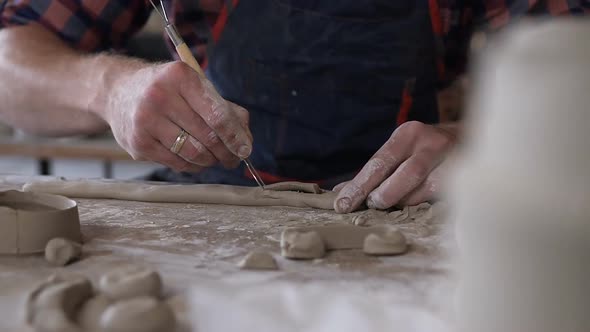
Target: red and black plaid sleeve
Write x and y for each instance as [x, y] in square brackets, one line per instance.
[495, 14]
[195, 20]
[89, 25]
[456, 21]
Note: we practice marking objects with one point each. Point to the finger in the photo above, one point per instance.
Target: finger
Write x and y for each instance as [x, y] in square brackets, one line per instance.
[165, 157]
[160, 154]
[339, 186]
[244, 116]
[192, 150]
[218, 114]
[198, 154]
[213, 142]
[377, 169]
[183, 116]
[430, 188]
[410, 174]
[422, 193]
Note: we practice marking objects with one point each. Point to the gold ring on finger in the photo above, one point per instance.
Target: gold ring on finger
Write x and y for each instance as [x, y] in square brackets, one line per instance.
[180, 139]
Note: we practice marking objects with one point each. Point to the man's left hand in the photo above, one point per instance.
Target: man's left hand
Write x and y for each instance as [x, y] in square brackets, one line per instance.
[406, 170]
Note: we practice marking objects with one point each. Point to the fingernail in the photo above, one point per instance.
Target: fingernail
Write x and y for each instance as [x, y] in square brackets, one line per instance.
[343, 204]
[244, 151]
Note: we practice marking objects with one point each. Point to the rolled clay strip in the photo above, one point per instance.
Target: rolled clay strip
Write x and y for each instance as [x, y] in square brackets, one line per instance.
[89, 315]
[389, 242]
[258, 260]
[140, 314]
[58, 293]
[195, 193]
[298, 244]
[130, 281]
[60, 251]
[310, 188]
[360, 220]
[343, 236]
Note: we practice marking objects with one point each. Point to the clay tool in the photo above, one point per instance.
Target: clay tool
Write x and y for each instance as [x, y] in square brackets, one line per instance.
[254, 173]
[187, 57]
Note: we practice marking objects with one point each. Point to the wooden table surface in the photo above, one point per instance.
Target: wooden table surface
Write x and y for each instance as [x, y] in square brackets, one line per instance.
[191, 243]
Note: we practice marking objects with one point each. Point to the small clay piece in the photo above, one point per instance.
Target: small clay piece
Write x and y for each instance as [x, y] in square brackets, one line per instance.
[420, 211]
[57, 300]
[180, 306]
[54, 320]
[343, 236]
[60, 251]
[89, 315]
[360, 220]
[32, 296]
[131, 281]
[400, 216]
[300, 244]
[140, 314]
[67, 295]
[258, 260]
[390, 241]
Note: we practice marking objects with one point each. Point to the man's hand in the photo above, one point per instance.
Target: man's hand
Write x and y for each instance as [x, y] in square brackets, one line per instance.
[406, 169]
[48, 88]
[148, 108]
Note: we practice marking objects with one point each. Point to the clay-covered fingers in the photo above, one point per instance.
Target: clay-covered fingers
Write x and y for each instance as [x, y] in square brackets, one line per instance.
[401, 166]
[339, 186]
[376, 170]
[406, 178]
[152, 94]
[191, 150]
[429, 188]
[203, 137]
[244, 116]
[166, 157]
[150, 148]
[230, 124]
[424, 192]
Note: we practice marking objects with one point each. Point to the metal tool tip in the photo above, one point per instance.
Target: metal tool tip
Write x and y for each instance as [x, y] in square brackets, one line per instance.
[161, 11]
[164, 11]
[157, 9]
[254, 173]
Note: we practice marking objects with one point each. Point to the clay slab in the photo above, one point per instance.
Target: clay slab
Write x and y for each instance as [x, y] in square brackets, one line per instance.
[29, 220]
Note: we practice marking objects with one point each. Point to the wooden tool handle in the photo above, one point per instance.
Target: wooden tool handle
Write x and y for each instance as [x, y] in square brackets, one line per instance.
[187, 57]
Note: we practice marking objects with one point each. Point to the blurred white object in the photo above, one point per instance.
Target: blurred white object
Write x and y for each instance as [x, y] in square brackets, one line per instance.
[314, 307]
[5, 130]
[521, 198]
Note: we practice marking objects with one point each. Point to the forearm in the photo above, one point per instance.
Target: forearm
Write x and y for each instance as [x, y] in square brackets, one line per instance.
[47, 88]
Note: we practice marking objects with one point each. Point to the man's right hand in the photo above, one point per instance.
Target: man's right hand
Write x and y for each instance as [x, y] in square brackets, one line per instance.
[48, 88]
[148, 109]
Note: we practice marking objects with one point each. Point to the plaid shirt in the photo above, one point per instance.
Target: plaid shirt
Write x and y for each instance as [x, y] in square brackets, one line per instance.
[95, 25]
